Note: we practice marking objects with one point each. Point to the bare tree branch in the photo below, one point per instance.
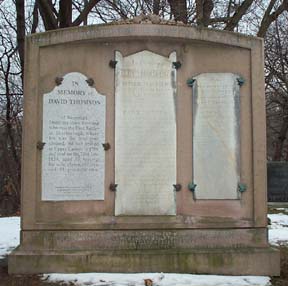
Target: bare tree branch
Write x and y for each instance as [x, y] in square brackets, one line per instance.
[219, 20]
[239, 13]
[35, 18]
[270, 18]
[85, 12]
[47, 14]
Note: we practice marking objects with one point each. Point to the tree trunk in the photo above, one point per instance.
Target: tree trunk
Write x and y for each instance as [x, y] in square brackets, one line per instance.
[203, 12]
[20, 11]
[156, 7]
[65, 13]
[280, 140]
[48, 15]
[179, 10]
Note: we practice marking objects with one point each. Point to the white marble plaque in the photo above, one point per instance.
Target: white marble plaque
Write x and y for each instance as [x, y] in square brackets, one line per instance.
[145, 134]
[216, 140]
[73, 131]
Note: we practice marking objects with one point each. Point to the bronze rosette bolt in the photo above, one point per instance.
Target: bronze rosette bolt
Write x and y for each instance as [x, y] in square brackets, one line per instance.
[177, 187]
[106, 146]
[113, 187]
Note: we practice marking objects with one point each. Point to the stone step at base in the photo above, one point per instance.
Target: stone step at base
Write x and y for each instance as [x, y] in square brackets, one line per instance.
[241, 261]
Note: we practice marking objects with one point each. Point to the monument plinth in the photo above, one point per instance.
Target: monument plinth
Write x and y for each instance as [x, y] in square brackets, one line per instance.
[144, 151]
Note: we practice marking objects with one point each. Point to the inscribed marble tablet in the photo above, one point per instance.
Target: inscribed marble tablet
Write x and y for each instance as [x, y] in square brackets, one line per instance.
[145, 134]
[216, 140]
[73, 131]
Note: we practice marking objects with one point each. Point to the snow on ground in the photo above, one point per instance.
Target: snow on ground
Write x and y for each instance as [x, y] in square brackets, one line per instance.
[113, 279]
[9, 234]
[278, 230]
[278, 235]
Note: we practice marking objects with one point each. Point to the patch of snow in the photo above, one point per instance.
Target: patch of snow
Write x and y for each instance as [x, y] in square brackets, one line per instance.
[278, 234]
[9, 234]
[278, 220]
[278, 230]
[115, 279]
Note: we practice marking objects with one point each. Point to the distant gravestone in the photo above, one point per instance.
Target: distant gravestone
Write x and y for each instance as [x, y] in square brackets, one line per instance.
[277, 173]
[73, 134]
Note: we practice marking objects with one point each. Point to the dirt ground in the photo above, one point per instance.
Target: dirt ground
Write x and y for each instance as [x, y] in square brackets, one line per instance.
[283, 279]
[21, 280]
[35, 280]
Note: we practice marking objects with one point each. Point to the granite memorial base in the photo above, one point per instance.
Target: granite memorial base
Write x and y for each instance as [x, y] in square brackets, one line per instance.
[227, 252]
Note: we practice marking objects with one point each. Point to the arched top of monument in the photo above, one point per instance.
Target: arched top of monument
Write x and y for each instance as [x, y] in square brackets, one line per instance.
[144, 26]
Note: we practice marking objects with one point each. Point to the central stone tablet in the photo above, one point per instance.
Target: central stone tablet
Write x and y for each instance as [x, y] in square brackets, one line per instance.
[145, 134]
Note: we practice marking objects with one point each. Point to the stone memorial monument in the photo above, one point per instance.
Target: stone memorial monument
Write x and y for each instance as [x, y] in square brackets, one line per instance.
[144, 151]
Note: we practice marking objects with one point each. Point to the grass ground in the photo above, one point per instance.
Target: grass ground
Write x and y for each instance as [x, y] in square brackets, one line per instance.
[278, 209]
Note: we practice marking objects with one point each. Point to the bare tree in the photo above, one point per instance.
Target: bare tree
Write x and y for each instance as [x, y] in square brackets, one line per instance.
[270, 16]
[62, 18]
[276, 66]
[11, 95]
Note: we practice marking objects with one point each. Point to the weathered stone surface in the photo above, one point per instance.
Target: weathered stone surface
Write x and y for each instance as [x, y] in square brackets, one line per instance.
[145, 134]
[143, 239]
[73, 132]
[199, 51]
[216, 139]
[243, 261]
